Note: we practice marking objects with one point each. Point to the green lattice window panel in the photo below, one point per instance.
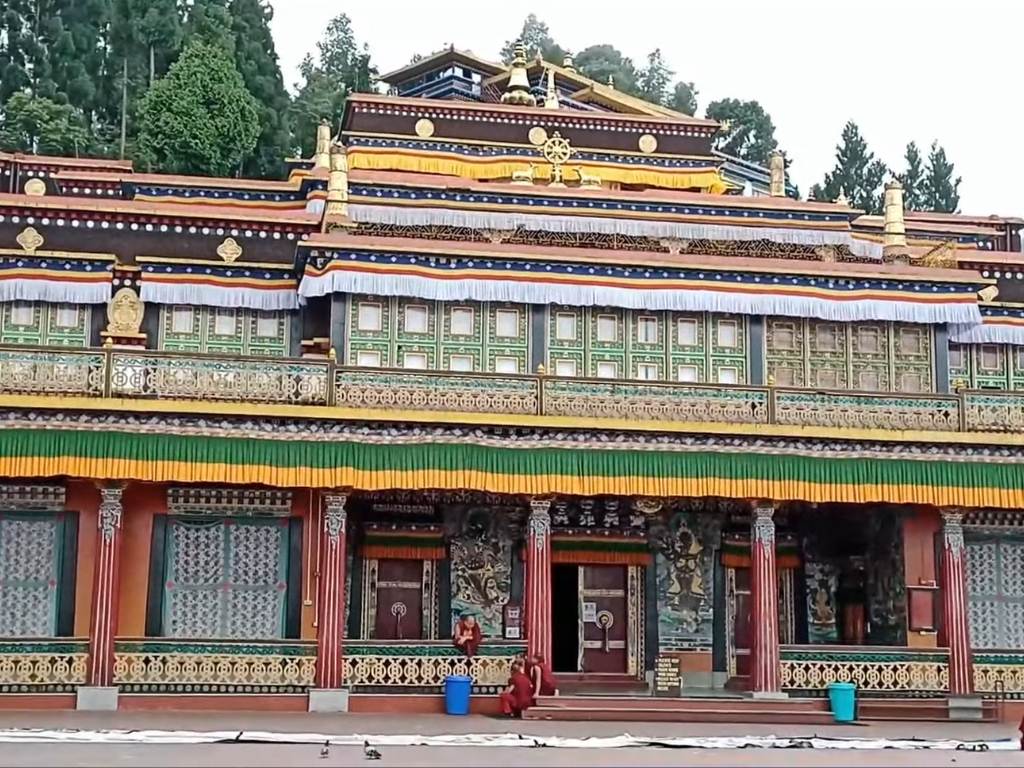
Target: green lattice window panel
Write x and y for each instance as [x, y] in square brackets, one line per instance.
[987, 366]
[1017, 366]
[960, 365]
[223, 330]
[872, 357]
[401, 332]
[45, 324]
[30, 558]
[225, 578]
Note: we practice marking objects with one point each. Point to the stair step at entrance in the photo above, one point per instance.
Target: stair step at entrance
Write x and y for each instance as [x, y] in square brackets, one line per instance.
[650, 703]
[680, 715]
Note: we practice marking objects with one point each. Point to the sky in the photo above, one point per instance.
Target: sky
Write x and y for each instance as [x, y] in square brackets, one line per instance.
[904, 70]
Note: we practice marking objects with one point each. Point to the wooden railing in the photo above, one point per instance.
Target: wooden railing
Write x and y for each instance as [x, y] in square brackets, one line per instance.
[42, 665]
[422, 665]
[186, 376]
[877, 671]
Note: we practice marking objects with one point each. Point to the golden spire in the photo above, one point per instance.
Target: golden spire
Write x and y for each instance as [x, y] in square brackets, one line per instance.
[842, 199]
[568, 63]
[894, 230]
[551, 98]
[517, 91]
[322, 157]
[777, 167]
[337, 187]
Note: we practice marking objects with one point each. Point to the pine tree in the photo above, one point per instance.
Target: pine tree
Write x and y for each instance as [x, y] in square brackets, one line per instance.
[341, 67]
[599, 62]
[912, 180]
[256, 60]
[684, 98]
[23, 60]
[857, 173]
[941, 191]
[210, 22]
[36, 124]
[199, 118]
[655, 78]
[751, 134]
[536, 37]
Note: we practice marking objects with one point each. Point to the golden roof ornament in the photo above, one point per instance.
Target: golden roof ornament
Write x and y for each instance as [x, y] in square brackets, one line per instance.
[611, 80]
[322, 158]
[557, 152]
[842, 199]
[894, 230]
[35, 187]
[988, 293]
[942, 256]
[336, 206]
[551, 97]
[777, 168]
[568, 63]
[517, 92]
[229, 250]
[29, 239]
[124, 313]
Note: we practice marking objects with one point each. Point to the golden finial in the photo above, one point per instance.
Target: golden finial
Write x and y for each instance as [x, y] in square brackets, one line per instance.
[517, 92]
[337, 185]
[894, 230]
[843, 199]
[959, 385]
[551, 99]
[770, 381]
[229, 250]
[611, 80]
[322, 158]
[777, 167]
[568, 63]
[541, 370]
[29, 239]
[332, 354]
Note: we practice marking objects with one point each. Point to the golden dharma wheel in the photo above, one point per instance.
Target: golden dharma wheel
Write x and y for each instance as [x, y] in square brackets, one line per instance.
[557, 150]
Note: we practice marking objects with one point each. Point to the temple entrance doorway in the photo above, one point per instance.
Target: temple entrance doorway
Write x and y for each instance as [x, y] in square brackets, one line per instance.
[590, 619]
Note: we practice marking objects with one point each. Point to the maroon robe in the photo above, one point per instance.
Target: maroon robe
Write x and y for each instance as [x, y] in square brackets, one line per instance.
[519, 695]
[544, 683]
[469, 645]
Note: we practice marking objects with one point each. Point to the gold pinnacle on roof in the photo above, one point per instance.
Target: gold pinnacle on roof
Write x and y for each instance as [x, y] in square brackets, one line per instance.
[551, 97]
[611, 80]
[894, 230]
[322, 158]
[337, 187]
[777, 167]
[517, 92]
[842, 199]
[568, 63]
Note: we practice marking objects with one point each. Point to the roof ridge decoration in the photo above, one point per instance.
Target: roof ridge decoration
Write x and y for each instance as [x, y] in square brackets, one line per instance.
[517, 92]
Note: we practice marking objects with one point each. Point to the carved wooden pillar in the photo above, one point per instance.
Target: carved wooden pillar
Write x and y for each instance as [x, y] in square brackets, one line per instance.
[764, 596]
[103, 622]
[538, 579]
[954, 604]
[330, 625]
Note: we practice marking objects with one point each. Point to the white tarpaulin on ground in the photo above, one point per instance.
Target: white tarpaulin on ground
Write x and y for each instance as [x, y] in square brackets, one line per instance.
[24, 735]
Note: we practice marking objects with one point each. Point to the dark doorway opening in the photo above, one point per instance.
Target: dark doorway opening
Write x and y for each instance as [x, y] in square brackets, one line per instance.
[565, 607]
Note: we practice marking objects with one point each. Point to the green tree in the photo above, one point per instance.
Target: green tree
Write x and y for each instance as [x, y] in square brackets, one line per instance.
[684, 98]
[23, 61]
[536, 37]
[256, 60]
[36, 124]
[210, 21]
[751, 134]
[598, 62]
[199, 118]
[857, 173]
[912, 179]
[79, 54]
[341, 67]
[654, 79]
[941, 190]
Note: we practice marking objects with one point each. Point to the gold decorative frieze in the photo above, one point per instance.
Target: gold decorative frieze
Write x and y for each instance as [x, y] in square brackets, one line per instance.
[35, 187]
[29, 239]
[647, 144]
[229, 250]
[424, 128]
[124, 314]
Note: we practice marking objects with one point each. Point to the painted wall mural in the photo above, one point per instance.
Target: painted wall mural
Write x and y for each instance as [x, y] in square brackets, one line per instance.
[481, 550]
[684, 545]
[821, 579]
[886, 583]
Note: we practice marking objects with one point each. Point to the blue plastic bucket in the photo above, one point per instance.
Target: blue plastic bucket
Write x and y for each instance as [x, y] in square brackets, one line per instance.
[457, 689]
[843, 698]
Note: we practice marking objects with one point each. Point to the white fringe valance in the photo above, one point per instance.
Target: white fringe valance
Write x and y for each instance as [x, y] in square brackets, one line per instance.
[584, 223]
[55, 291]
[709, 300]
[192, 294]
[987, 333]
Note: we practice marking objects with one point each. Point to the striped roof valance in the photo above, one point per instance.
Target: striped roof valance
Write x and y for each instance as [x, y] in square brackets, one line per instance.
[252, 286]
[61, 279]
[1000, 325]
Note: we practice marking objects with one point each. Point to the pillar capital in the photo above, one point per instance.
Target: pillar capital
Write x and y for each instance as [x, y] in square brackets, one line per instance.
[762, 523]
[335, 516]
[108, 519]
[953, 528]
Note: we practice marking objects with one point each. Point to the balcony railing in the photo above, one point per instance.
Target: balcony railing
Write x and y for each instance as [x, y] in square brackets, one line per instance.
[289, 381]
[42, 665]
[878, 671]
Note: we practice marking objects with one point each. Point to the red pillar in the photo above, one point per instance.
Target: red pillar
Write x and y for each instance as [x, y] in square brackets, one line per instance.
[538, 579]
[103, 622]
[954, 604]
[330, 627]
[764, 595]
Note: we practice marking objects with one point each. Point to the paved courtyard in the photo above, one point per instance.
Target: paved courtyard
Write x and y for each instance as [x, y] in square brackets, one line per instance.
[255, 755]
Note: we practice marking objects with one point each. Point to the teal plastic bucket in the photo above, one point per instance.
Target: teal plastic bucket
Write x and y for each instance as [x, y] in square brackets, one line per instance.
[843, 698]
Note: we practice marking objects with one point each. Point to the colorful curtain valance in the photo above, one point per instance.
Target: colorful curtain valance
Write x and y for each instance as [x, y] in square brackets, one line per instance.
[291, 462]
[597, 549]
[468, 278]
[60, 280]
[403, 543]
[252, 286]
[584, 216]
[483, 162]
[1000, 325]
[735, 553]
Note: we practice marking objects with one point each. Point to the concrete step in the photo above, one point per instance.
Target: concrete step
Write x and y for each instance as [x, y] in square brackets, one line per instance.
[691, 704]
[680, 715]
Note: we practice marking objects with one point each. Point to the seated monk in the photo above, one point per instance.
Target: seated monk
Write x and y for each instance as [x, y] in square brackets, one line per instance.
[518, 696]
[467, 635]
[544, 683]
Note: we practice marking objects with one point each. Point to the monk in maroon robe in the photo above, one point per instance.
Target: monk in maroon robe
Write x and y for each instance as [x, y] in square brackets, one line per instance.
[518, 696]
[543, 680]
[467, 635]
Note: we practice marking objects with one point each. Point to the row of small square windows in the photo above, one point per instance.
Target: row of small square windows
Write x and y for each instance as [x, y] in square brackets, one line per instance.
[415, 319]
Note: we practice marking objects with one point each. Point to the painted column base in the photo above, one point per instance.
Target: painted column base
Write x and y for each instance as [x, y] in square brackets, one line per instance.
[965, 708]
[96, 699]
[328, 700]
[769, 695]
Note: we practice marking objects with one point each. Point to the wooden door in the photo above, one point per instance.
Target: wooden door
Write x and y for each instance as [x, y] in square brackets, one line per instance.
[604, 618]
[399, 600]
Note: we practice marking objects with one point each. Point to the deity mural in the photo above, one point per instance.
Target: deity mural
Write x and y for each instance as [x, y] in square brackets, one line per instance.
[481, 566]
[821, 580]
[684, 567]
[886, 582]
